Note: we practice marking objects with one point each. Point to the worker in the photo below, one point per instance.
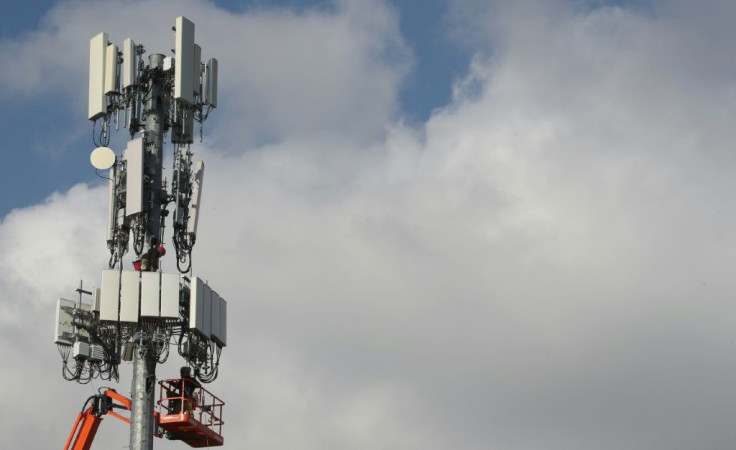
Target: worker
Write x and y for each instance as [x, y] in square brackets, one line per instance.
[149, 261]
[189, 387]
[174, 397]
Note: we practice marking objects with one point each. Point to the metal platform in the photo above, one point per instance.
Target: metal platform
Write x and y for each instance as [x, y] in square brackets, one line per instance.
[190, 413]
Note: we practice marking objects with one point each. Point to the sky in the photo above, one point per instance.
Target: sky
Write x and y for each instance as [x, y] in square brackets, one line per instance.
[478, 224]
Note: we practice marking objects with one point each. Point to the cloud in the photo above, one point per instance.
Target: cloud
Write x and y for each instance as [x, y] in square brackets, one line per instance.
[544, 264]
[46, 246]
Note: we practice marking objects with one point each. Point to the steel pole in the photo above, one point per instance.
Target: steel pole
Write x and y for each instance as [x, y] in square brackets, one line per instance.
[157, 109]
[143, 385]
[142, 396]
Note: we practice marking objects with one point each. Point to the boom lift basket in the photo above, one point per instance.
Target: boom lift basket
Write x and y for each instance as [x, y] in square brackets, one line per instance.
[190, 413]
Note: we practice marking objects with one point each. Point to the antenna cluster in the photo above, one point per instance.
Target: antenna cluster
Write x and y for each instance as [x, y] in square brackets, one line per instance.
[120, 81]
[90, 359]
[144, 311]
[136, 203]
[182, 90]
[153, 310]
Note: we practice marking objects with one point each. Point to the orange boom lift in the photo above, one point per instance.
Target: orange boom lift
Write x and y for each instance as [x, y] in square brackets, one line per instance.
[88, 421]
[187, 412]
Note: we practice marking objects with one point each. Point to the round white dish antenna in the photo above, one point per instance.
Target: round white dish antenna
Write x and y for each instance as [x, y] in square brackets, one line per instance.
[102, 158]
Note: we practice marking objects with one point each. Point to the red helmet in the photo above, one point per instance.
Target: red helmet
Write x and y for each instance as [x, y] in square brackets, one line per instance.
[161, 250]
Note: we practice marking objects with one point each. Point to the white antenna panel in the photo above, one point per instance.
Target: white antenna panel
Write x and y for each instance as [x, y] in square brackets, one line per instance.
[130, 64]
[200, 307]
[129, 295]
[134, 177]
[184, 63]
[196, 197]
[96, 300]
[207, 312]
[219, 319]
[111, 206]
[196, 304]
[170, 296]
[210, 90]
[197, 70]
[214, 316]
[150, 293]
[112, 74]
[97, 101]
[109, 298]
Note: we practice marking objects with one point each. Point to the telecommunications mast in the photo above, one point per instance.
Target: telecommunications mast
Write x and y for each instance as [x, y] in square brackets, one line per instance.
[136, 315]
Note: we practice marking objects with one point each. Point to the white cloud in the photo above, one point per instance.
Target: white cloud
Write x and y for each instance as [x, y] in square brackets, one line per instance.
[47, 246]
[545, 264]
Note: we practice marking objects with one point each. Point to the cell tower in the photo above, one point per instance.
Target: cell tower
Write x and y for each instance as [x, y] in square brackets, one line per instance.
[137, 315]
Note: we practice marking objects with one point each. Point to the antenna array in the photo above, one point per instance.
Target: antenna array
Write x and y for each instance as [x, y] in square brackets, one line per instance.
[137, 315]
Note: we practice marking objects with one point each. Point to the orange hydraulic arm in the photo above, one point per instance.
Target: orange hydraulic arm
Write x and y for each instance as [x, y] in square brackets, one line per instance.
[85, 427]
[188, 412]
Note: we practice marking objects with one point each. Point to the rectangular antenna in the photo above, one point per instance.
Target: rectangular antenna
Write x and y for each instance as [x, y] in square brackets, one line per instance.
[130, 64]
[129, 295]
[207, 312]
[223, 322]
[170, 296]
[184, 63]
[111, 219]
[210, 90]
[215, 316]
[96, 300]
[196, 304]
[197, 70]
[219, 320]
[134, 182]
[196, 197]
[97, 52]
[150, 294]
[112, 74]
[109, 299]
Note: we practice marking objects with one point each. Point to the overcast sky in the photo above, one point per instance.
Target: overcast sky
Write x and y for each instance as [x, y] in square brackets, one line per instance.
[475, 224]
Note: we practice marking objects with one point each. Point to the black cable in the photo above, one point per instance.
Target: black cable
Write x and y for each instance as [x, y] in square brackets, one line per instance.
[98, 174]
[65, 370]
[90, 398]
[189, 263]
[94, 140]
[150, 382]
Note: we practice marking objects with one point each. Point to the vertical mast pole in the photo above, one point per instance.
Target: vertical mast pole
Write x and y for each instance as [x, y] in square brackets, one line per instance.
[144, 355]
[142, 396]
